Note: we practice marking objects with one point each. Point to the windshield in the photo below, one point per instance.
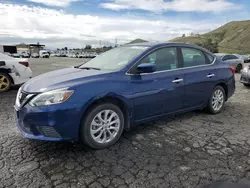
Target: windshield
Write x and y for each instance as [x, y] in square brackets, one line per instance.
[115, 59]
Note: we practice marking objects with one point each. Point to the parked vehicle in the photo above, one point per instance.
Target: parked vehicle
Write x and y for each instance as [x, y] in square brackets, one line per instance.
[35, 55]
[16, 55]
[72, 56]
[53, 55]
[81, 56]
[25, 55]
[245, 76]
[13, 72]
[94, 102]
[7, 53]
[233, 60]
[247, 58]
[43, 54]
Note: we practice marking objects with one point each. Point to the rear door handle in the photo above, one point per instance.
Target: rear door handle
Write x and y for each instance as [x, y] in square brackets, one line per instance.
[178, 80]
[210, 75]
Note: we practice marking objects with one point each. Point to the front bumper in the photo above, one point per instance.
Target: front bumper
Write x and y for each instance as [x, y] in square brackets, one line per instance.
[53, 123]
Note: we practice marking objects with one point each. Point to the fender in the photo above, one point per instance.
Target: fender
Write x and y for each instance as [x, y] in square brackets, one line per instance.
[127, 102]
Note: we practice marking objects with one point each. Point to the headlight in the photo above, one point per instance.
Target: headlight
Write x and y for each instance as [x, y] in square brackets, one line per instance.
[51, 97]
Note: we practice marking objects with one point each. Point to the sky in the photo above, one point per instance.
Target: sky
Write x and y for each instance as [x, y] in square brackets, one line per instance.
[76, 23]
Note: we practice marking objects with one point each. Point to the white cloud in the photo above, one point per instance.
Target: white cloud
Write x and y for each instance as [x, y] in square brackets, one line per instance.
[58, 28]
[58, 3]
[173, 5]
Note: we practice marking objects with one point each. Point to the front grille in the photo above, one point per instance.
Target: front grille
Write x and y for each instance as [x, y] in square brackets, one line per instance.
[49, 131]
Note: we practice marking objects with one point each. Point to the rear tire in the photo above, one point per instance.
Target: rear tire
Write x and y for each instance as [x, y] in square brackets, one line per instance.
[246, 85]
[217, 100]
[102, 126]
[238, 68]
[5, 82]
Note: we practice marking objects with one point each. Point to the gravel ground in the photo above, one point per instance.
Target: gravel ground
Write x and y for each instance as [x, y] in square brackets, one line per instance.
[190, 150]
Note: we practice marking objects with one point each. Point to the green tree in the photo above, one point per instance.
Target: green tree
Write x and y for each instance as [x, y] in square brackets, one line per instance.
[209, 44]
[88, 47]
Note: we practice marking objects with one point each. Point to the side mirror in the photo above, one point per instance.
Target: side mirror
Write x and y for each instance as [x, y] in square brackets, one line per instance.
[146, 68]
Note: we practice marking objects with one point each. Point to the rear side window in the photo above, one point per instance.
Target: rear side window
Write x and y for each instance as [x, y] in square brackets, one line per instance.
[229, 57]
[233, 57]
[193, 57]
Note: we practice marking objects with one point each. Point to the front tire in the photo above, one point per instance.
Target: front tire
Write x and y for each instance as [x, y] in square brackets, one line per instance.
[5, 82]
[239, 68]
[102, 126]
[217, 100]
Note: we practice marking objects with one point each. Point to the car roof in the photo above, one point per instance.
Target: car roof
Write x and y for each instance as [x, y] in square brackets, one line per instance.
[159, 44]
[152, 44]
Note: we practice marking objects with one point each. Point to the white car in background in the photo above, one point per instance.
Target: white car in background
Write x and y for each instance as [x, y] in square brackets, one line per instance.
[13, 72]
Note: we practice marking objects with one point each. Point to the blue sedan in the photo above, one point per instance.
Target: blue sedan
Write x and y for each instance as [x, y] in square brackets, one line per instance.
[94, 102]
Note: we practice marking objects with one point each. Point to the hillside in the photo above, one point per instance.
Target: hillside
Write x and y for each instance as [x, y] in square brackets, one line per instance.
[234, 37]
[137, 41]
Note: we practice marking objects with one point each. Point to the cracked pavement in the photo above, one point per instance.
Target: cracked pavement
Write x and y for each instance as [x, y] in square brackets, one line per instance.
[189, 150]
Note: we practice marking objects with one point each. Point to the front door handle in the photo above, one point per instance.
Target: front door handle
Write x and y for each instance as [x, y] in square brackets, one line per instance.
[210, 75]
[178, 80]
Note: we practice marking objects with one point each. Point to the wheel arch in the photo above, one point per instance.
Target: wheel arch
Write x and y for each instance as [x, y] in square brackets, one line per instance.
[224, 86]
[120, 101]
[7, 71]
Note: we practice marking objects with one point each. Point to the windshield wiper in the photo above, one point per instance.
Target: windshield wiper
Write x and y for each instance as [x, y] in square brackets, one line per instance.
[88, 68]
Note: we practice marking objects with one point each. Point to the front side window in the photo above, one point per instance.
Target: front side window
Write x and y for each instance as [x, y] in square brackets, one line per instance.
[226, 57]
[193, 57]
[163, 59]
[115, 59]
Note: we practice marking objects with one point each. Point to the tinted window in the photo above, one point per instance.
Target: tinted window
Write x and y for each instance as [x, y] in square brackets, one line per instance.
[229, 57]
[226, 57]
[233, 57]
[164, 59]
[193, 57]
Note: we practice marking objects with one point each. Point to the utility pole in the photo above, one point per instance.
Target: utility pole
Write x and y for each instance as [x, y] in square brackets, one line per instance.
[116, 42]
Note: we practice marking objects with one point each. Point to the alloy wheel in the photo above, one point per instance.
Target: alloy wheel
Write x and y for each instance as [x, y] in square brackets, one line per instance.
[4, 82]
[218, 100]
[105, 126]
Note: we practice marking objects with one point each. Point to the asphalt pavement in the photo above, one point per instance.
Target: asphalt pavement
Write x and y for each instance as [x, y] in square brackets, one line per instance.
[189, 150]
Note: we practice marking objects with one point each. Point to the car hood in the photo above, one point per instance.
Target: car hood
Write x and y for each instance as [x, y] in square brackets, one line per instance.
[62, 78]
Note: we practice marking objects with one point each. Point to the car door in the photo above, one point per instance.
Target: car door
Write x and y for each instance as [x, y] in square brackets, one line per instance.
[160, 92]
[200, 76]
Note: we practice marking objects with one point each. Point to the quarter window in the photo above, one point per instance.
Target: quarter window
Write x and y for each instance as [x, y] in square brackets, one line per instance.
[210, 58]
[164, 59]
[193, 57]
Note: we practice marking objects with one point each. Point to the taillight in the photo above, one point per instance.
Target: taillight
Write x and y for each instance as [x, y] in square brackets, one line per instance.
[232, 69]
[24, 63]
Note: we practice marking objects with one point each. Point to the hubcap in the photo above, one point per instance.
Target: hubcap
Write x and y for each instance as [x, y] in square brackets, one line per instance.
[4, 83]
[218, 100]
[105, 126]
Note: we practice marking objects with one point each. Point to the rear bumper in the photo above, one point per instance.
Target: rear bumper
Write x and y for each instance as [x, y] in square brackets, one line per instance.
[231, 87]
